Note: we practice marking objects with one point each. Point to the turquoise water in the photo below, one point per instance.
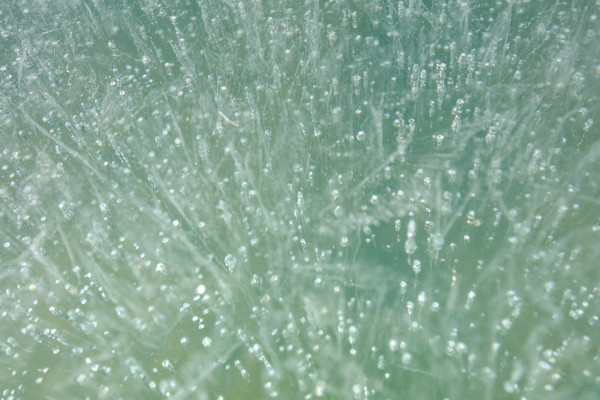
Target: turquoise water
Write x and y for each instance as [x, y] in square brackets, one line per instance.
[332, 199]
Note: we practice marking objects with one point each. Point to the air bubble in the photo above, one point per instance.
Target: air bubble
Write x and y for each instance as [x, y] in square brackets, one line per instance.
[416, 267]
[230, 262]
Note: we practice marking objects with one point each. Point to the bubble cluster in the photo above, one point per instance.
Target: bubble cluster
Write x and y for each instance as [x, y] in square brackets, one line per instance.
[267, 199]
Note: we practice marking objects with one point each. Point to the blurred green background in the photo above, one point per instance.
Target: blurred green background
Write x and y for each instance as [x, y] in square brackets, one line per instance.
[299, 199]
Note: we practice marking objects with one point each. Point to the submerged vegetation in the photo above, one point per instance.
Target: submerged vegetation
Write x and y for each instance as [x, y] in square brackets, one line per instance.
[336, 199]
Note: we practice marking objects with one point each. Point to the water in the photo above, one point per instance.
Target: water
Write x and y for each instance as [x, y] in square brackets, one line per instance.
[249, 200]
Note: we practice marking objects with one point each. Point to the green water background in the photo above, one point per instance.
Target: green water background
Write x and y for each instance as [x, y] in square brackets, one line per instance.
[205, 199]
